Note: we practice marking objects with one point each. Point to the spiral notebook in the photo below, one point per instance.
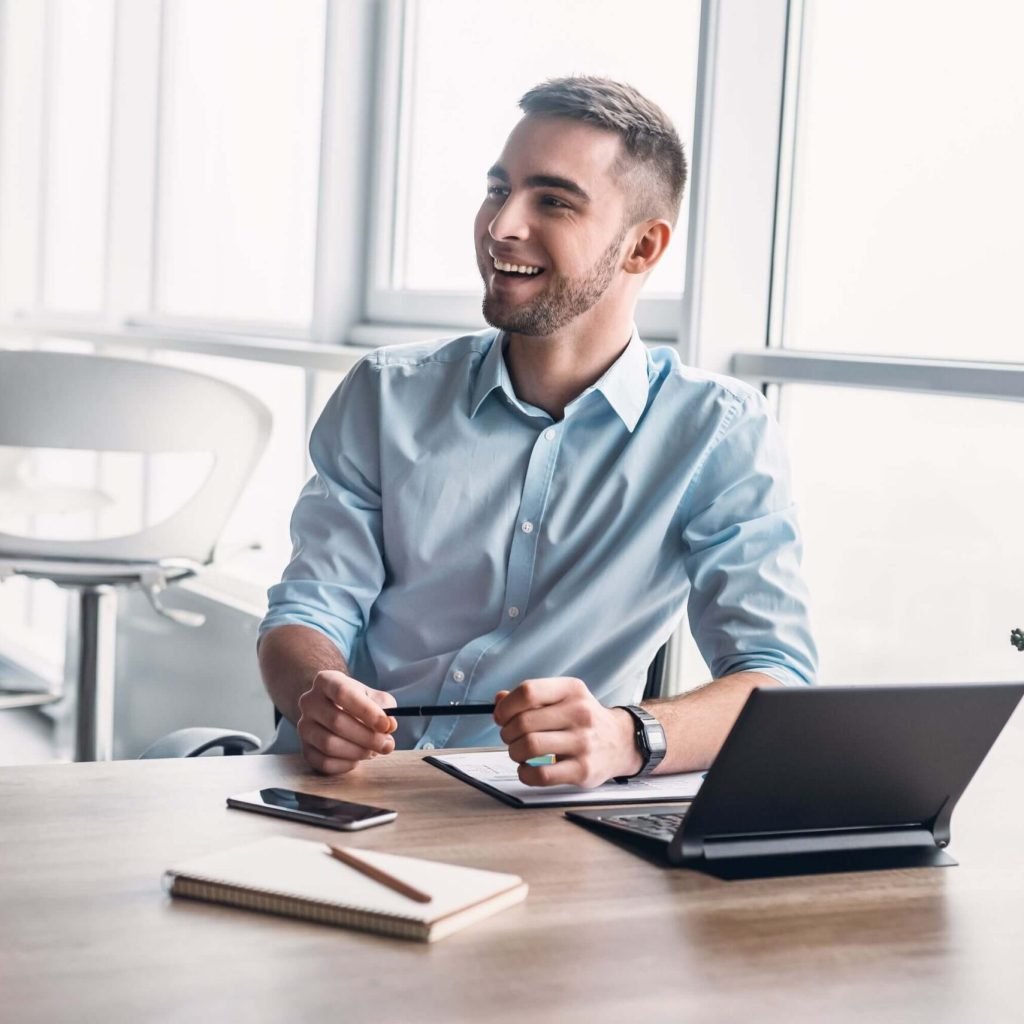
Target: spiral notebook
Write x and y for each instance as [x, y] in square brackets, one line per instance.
[298, 878]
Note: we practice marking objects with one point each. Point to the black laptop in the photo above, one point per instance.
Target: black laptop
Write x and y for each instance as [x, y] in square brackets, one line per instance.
[827, 778]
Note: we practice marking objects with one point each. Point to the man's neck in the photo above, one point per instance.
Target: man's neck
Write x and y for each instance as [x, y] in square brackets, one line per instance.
[550, 372]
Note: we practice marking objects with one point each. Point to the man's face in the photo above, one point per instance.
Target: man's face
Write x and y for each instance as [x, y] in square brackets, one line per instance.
[554, 206]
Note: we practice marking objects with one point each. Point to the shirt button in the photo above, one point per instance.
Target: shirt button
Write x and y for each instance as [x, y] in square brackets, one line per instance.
[513, 612]
[458, 676]
[527, 527]
[428, 745]
[549, 435]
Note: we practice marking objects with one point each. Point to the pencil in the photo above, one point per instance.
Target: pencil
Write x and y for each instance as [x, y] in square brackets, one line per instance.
[426, 710]
[349, 858]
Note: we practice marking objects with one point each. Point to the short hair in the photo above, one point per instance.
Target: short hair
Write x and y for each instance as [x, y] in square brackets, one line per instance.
[650, 143]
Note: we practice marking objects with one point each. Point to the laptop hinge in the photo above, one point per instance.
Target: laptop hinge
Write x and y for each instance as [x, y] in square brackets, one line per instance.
[786, 844]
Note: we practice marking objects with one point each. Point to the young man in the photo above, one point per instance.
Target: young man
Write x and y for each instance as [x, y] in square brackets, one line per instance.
[525, 513]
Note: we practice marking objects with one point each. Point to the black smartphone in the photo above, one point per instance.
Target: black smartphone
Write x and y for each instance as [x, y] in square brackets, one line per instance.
[315, 810]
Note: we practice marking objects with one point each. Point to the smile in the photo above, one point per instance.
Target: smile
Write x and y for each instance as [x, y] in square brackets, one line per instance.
[517, 268]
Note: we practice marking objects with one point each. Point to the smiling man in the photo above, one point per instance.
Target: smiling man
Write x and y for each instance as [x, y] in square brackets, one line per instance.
[524, 514]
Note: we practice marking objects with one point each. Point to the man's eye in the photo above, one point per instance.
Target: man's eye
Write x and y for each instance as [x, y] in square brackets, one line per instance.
[496, 191]
[555, 202]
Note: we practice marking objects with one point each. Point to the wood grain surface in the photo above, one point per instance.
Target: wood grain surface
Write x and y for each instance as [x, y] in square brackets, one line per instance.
[87, 934]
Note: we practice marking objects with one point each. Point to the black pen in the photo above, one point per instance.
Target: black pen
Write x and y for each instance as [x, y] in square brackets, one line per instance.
[426, 710]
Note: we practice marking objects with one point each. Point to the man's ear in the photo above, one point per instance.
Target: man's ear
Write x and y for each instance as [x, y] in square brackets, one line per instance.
[648, 246]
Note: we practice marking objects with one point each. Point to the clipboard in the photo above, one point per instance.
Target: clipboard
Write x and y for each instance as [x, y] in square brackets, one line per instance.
[493, 772]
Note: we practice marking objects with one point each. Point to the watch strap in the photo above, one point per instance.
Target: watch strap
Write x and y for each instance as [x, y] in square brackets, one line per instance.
[649, 736]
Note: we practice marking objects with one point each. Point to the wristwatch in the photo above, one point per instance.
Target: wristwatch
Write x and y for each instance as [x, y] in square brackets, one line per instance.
[649, 737]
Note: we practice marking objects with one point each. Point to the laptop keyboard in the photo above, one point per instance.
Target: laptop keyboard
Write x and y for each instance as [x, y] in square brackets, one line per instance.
[657, 826]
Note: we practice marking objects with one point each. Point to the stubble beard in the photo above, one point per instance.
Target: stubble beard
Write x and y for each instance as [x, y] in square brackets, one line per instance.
[560, 303]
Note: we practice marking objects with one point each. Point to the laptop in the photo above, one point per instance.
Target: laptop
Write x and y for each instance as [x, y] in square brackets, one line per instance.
[826, 778]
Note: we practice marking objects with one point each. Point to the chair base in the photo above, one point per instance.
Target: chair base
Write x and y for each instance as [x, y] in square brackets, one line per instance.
[97, 638]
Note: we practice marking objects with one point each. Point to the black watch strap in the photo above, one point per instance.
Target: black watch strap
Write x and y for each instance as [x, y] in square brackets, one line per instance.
[649, 737]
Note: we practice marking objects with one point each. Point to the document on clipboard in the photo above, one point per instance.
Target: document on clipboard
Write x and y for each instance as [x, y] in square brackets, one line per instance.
[495, 773]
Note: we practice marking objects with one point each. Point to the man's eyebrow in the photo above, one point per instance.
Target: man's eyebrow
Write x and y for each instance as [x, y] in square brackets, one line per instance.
[543, 181]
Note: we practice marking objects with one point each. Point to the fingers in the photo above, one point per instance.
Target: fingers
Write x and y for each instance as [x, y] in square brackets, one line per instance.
[341, 723]
[545, 705]
[355, 698]
[563, 743]
[541, 720]
[570, 772]
[385, 700]
[558, 716]
[535, 693]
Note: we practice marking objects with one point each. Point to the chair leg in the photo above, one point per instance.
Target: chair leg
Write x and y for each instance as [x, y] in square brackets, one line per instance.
[94, 735]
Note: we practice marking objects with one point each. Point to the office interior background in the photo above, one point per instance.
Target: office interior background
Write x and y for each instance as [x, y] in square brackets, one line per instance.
[260, 189]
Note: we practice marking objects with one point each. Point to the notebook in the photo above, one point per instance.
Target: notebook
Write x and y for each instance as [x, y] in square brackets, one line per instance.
[299, 878]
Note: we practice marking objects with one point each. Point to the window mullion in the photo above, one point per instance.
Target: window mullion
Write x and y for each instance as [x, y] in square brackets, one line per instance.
[134, 154]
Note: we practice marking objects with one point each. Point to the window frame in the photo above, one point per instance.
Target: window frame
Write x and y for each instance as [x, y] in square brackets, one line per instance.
[771, 365]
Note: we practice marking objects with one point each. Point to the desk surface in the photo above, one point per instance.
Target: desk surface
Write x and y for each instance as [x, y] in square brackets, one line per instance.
[87, 934]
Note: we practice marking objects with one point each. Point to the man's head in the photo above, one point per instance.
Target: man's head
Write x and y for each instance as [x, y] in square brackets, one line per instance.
[652, 164]
[579, 206]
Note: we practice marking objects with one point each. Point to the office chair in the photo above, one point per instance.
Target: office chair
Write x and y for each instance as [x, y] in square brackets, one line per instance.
[203, 739]
[55, 400]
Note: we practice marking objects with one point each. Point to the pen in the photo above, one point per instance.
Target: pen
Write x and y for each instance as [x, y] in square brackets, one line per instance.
[424, 710]
[349, 858]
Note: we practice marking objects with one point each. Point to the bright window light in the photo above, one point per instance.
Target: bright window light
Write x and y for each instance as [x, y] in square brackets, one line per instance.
[239, 159]
[907, 230]
[472, 62]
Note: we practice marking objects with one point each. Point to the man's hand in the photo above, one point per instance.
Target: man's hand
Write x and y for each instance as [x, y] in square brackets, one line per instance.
[561, 716]
[341, 722]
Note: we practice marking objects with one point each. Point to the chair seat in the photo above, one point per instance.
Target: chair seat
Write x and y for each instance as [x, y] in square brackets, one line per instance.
[71, 572]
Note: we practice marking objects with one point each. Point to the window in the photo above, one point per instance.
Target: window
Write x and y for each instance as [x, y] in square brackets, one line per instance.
[454, 72]
[238, 160]
[910, 510]
[896, 248]
[907, 217]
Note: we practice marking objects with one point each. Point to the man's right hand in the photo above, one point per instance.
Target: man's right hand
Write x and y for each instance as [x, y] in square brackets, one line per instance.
[341, 722]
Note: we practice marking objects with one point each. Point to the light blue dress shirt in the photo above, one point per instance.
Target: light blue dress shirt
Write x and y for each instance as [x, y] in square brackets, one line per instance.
[456, 541]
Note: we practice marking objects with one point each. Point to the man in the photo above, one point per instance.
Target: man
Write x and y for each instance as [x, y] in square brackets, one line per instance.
[524, 514]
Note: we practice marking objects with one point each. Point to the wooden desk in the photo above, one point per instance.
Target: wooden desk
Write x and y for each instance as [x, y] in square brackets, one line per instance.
[87, 934]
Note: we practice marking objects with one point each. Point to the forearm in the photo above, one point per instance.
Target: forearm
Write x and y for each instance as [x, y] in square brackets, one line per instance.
[290, 658]
[696, 723]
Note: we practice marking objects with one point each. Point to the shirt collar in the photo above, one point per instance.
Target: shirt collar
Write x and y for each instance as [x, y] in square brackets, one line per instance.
[491, 375]
[625, 384]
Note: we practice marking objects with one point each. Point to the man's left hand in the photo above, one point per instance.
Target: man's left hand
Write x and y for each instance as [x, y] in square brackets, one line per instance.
[560, 716]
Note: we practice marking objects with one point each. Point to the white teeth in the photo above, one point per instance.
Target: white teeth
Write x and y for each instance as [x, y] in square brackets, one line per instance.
[516, 268]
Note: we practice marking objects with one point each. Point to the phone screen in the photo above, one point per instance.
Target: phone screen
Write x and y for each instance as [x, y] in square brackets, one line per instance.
[308, 807]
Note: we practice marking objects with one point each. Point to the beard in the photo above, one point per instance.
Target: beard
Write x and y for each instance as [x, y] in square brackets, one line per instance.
[560, 303]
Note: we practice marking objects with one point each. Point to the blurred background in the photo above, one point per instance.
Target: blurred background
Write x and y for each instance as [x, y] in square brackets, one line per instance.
[260, 189]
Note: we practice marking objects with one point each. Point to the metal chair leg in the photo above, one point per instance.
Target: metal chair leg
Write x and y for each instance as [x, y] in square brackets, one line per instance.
[94, 728]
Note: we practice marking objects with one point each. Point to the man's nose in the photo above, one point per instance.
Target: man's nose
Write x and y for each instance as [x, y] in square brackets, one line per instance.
[510, 221]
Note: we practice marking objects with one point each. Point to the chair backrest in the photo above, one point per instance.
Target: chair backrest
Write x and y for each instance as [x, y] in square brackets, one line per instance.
[656, 674]
[71, 401]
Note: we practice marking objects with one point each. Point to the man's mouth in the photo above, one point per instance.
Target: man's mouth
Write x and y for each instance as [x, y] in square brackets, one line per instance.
[516, 269]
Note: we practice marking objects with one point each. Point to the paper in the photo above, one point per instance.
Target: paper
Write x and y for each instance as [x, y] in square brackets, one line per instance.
[494, 768]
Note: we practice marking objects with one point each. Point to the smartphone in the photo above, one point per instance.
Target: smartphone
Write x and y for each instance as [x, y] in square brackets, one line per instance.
[315, 810]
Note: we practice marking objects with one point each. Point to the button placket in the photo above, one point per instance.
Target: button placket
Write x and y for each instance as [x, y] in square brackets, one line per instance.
[518, 581]
[522, 553]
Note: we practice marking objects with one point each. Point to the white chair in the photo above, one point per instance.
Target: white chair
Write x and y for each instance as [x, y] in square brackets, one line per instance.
[65, 401]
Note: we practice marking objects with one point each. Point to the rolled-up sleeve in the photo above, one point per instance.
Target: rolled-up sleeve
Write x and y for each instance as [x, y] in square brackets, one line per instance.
[748, 605]
[337, 566]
